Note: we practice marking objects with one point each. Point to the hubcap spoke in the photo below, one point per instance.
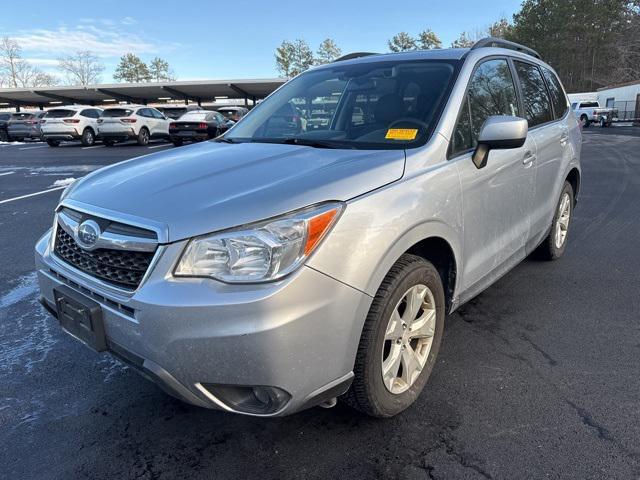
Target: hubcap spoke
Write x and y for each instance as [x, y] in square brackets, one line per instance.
[391, 365]
[415, 298]
[425, 326]
[394, 328]
[410, 365]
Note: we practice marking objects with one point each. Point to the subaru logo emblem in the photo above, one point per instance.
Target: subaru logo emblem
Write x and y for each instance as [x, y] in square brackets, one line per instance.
[88, 234]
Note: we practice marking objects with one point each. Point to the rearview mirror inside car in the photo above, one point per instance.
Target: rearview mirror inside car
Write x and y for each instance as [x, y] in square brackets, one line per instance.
[499, 132]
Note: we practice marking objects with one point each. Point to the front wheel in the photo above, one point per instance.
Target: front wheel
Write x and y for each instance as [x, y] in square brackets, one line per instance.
[585, 121]
[556, 242]
[53, 143]
[400, 339]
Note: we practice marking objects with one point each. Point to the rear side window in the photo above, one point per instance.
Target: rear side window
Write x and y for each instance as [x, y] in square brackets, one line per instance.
[537, 105]
[22, 116]
[60, 113]
[117, 112]
[491, 91]
[589, 105]
[558, 97]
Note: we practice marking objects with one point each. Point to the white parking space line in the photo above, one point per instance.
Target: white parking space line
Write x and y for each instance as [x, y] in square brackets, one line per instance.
[31, 148]
[31, 195]
[94, 146]
[6, 173]
[162, 145]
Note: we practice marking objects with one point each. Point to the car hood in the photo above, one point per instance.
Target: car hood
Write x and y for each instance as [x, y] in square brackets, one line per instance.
[210, 186]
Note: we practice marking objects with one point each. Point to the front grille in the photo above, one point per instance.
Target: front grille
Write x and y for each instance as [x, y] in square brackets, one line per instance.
[124, 269]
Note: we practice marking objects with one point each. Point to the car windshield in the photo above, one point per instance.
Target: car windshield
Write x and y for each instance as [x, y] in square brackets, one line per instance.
[370, 105]
[117, 112]
[60, 113]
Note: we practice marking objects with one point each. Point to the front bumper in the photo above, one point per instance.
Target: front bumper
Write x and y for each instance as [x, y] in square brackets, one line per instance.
[299, 334]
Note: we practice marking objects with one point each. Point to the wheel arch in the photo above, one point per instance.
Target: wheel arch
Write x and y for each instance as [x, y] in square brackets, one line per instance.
[573, 177]
[437, 243]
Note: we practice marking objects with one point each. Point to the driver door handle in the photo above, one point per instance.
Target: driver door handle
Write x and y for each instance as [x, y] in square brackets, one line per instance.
[528, 159]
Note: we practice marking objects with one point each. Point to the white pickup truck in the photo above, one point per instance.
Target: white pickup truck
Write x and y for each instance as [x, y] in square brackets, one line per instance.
[589, 112]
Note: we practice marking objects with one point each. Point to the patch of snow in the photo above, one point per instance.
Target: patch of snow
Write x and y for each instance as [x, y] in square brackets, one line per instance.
[64, 182]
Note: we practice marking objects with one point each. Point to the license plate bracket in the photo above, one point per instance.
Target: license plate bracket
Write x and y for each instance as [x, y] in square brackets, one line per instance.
[81, 317]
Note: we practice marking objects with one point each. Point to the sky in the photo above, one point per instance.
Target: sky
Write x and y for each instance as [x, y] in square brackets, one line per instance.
[228, 40]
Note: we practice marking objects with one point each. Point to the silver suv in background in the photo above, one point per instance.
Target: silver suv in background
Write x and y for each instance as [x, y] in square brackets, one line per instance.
[279, 267]
[75, 122]
[25, 126]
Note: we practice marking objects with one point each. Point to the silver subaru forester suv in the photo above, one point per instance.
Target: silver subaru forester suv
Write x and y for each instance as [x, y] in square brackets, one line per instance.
[289, 263]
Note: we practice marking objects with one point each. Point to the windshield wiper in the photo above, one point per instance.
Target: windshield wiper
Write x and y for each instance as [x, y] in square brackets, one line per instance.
[309, 142]
[226, 140]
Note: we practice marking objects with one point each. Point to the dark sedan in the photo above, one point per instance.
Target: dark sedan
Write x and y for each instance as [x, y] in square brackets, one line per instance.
[197, 126]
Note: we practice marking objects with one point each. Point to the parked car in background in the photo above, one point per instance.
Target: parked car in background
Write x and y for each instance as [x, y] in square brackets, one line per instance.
[277, 268]
[4, 120]
[25, 126]
[75, 122]
[233, 113]
[591, 112]
[132, 122]
[174, 112]
[198, 125]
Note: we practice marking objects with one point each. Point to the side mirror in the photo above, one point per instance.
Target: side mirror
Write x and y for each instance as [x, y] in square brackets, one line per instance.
[499, 132]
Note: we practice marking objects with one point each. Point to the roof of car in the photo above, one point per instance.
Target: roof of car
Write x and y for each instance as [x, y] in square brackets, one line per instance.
[232, 108]
[73, 107]
[435, 54]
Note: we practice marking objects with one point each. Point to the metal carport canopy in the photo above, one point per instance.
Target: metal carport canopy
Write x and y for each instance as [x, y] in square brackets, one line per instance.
[197, 91]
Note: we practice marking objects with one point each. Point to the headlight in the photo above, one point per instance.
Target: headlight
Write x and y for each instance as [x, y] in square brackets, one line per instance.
[260, 252]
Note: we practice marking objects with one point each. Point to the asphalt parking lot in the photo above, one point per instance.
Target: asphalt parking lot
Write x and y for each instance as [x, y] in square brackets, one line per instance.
[538, 377]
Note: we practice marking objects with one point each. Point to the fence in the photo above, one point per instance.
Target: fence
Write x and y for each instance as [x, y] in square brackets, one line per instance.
[627, 111]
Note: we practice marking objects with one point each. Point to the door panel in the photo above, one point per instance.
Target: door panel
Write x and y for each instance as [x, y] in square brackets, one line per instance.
[497, 198]
[496, 213]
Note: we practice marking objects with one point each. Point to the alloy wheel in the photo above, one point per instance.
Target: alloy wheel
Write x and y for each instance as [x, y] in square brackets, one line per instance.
[408, 339]
[562, 224]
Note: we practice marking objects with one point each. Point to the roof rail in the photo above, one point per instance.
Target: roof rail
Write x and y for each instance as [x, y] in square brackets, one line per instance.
[501, 43]
[350, 56]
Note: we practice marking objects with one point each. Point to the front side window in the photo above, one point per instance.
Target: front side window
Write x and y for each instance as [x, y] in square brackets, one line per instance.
[537, 105]
[368, 105]
[491, 92]
[558, 97]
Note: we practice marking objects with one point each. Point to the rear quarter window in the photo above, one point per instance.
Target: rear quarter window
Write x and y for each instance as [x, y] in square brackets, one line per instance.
[537, 105]
[558, 98]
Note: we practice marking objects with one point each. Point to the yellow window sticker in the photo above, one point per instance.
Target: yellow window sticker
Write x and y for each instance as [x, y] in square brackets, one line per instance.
[401, 134]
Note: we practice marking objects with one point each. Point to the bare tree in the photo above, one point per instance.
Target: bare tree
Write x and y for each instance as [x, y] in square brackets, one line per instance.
[16, 72]
[10, 61]
[83, 68]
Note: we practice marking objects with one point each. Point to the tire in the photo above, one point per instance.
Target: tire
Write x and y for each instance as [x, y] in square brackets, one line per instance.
[369, 392]
[143, 137]
[550, 249]
[108, 143]
[88, 137]
[603, 123]
[585, 121]
[177, 142]
[53, 143]
[3, 136]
